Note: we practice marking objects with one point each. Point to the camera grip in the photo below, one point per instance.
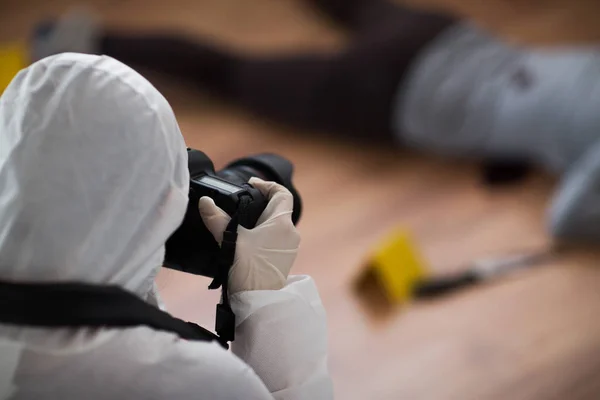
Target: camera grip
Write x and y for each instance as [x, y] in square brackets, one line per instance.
[254, 209]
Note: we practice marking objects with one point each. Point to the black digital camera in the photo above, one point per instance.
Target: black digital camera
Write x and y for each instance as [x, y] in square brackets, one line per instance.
[192, 247]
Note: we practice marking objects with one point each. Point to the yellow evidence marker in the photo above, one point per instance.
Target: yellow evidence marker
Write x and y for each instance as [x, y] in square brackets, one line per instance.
[13, 58]
[396, 267]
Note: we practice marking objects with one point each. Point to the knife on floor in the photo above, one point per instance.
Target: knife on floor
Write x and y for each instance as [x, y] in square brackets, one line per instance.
[483, 270]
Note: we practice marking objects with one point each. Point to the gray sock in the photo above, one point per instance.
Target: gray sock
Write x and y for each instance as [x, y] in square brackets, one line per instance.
[76, 32]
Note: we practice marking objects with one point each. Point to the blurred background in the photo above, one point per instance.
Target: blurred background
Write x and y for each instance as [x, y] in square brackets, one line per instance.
[534, 335]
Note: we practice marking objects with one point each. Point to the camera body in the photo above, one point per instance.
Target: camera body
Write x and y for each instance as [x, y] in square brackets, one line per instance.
[192, 247]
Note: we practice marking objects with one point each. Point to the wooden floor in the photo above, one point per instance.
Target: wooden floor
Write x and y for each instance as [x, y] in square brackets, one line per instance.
[533, 336]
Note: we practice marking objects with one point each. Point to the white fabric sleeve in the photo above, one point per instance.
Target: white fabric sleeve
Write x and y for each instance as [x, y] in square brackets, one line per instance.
[11, 354]
[206, 372]
[282, 335]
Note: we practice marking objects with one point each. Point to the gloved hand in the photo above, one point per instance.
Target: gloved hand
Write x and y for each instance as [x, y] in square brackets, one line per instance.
[265, 254]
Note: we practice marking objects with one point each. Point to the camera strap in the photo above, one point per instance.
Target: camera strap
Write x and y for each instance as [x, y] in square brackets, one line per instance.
[225, 321]
[79, 305]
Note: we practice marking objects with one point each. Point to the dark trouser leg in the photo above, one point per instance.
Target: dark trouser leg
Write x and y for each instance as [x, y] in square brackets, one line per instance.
[351, 93]
[173, 55]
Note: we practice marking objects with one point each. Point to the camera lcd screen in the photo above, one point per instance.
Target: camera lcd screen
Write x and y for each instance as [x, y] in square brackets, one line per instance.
[219, 184]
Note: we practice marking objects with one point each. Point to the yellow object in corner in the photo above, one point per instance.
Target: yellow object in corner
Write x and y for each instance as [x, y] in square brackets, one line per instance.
[398, 266]
[13, 58]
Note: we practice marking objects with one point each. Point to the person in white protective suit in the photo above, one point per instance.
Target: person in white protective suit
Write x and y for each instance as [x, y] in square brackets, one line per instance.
[93, 180]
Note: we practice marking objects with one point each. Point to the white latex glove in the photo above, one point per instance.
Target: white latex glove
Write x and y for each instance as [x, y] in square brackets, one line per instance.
[265, 254]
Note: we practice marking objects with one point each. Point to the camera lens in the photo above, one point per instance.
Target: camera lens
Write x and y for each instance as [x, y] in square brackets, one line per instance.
[192, 247]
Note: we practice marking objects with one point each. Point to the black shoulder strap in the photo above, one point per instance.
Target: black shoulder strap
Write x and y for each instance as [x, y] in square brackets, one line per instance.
[82, 305]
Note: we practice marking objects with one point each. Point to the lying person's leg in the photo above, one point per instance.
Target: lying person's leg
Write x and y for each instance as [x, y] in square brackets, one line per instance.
[208, 67]
[350, 93]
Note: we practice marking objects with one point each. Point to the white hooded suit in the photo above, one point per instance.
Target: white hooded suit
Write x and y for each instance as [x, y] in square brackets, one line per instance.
[93, 180]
